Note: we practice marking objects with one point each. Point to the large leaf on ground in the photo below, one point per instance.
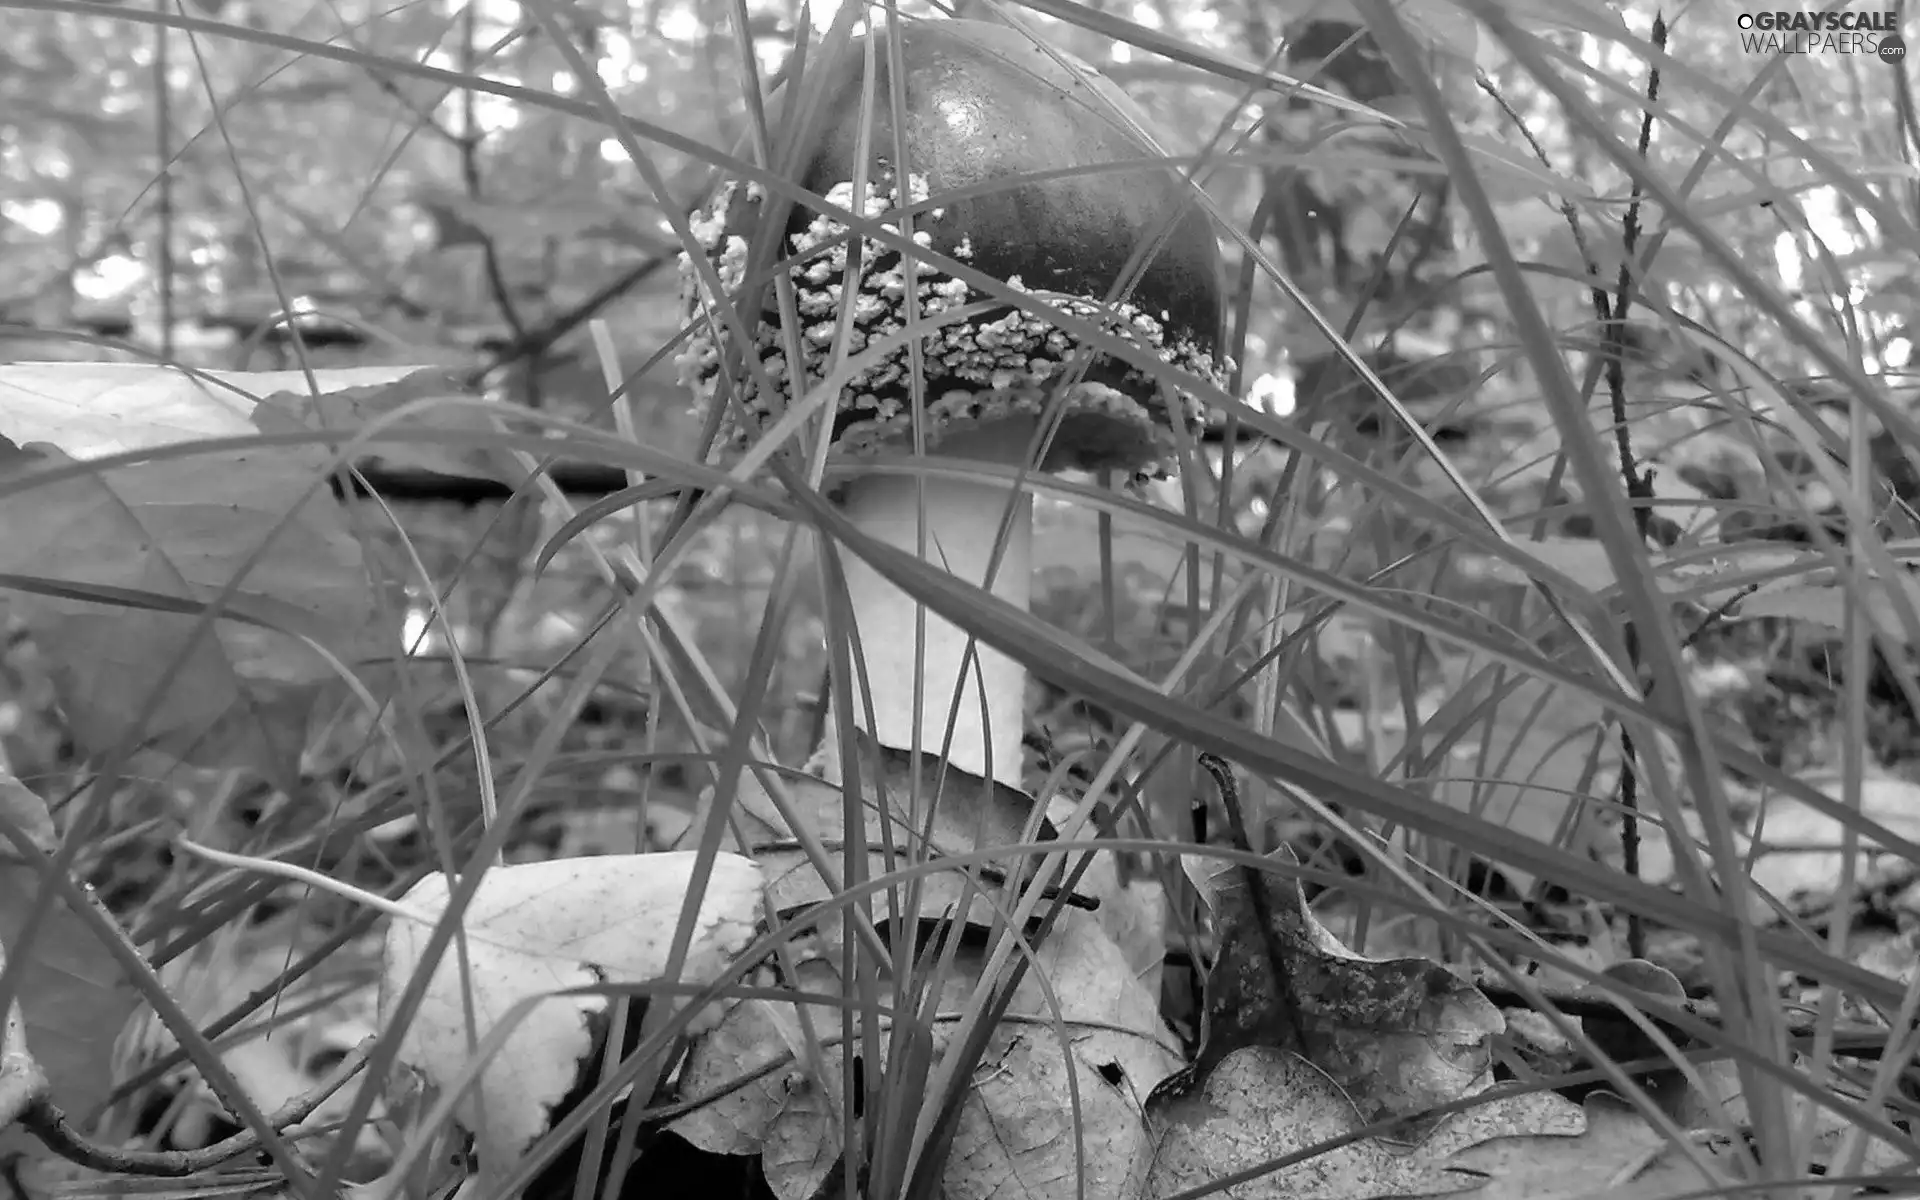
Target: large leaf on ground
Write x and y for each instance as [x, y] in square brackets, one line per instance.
[91, 410]
[125, 543]
[1619, 1157]
[356, 407]
[1604, 1151]
[536, 928]
[1303, 1041]
[1261, 1103]
[178, 531]
[1400, 1035]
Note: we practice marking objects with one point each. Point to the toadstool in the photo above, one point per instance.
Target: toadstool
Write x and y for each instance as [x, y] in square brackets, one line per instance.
[986, 109]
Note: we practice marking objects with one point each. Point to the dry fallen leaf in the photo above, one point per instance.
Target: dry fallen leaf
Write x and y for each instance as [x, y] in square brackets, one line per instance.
[1619, 1157]
[1302, 1041]
[1016, 1131]
[1710, 1103]
[1721, 1104]
[536, 928]
[1796, 851]
[1800, 858]
[1132, 911]
[1260, 1103]
[1400, 1035]
[802, 1143]
[755, 1034]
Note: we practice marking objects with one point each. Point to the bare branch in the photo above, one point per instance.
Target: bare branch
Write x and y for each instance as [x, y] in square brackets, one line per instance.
[45, 1121]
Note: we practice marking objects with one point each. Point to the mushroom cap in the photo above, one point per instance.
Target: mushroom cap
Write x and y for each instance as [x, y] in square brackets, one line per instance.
[985, 110]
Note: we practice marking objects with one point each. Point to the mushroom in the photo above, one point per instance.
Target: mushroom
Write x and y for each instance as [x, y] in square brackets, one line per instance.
[985, 108]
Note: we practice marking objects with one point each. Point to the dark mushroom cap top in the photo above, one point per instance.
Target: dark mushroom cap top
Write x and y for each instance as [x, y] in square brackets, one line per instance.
[985, 109]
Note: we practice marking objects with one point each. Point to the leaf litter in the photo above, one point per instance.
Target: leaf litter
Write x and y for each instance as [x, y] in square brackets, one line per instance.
[533, 929]
[1303, 1042]
[1017, 1130]
[1339, 1042]
[182, 527]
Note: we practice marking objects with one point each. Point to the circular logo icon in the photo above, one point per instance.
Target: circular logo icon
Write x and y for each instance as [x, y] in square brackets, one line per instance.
[1893, 48]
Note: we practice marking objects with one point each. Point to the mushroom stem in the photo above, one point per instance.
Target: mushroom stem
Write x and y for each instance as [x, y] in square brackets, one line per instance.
[962, 523]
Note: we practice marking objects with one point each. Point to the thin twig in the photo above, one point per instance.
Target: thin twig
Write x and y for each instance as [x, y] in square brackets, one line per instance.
[45, 1121]
[1256, 885]
[536, 342]
[471, 137]
[1639, 483]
